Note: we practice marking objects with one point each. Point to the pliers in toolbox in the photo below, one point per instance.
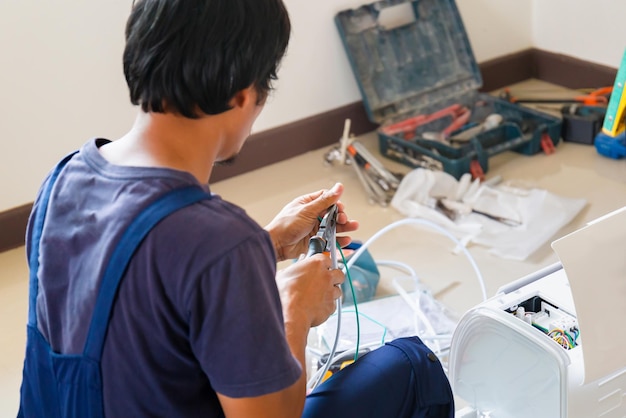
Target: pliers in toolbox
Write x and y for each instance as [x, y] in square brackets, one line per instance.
[323, 241]
[460, 116]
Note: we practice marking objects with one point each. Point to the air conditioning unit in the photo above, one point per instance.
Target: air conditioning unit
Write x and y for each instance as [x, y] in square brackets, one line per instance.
[551, 344]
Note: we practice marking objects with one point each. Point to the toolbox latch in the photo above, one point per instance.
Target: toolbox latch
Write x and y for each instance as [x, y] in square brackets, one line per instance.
[476, 170]
[546, 143]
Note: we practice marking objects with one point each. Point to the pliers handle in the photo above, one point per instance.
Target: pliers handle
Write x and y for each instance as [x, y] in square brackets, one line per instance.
[408, 126]
[325, 237]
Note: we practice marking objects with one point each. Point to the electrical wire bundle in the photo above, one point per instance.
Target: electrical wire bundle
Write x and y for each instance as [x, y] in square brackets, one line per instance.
[431, 335]
[563, 338]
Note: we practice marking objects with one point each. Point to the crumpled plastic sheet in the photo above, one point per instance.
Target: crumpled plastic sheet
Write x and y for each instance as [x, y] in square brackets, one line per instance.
[539, 212]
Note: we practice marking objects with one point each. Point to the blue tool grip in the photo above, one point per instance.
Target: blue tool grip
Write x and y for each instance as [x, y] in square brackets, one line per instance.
[609, 146]
[316, 246]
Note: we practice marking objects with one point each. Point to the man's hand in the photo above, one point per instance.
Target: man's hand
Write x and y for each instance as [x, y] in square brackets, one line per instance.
[298, 221]
[308, 292]
[309, 289]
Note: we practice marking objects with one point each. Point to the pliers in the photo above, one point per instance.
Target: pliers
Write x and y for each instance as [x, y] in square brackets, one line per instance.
[460, 116]
[324, 240]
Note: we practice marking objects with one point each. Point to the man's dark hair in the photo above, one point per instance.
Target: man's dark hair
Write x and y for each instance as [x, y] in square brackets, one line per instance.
[191, 56]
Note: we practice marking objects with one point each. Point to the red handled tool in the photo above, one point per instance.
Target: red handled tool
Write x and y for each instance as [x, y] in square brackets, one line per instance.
[459, 114]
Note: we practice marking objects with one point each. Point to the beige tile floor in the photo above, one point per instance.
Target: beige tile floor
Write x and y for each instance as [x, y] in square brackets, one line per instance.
[13, 309]
[575, 171]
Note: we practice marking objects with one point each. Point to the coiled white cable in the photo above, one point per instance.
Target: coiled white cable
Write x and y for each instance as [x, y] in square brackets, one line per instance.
[397, 264]
[436, 227]
[316, 379]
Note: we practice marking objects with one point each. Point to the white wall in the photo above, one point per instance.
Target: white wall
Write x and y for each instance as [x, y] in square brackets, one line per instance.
[61, 83]
[590, 30]
[62, 80]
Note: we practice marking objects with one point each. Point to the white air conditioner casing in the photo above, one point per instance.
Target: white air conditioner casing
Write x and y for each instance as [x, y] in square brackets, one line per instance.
[504, 367]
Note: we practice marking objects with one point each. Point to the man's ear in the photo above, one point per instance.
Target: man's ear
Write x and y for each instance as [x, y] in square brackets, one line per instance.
[243, 98]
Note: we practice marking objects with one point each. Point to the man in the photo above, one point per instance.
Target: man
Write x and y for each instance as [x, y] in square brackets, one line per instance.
[202, 325]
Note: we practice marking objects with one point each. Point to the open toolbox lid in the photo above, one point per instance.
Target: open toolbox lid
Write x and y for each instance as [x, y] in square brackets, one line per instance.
[408, 55]
[595, 266]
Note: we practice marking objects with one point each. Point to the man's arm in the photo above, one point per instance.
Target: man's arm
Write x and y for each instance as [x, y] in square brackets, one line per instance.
[288, 402]
[308, 289]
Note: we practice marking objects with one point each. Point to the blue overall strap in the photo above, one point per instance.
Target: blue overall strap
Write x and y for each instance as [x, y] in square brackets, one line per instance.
[121, 256]
[37, 229]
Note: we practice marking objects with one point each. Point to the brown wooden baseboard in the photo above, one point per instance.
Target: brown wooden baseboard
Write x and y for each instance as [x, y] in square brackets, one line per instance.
[506, 70]
[295, 138]
[571, 72]
[13, 227]
[274, 145]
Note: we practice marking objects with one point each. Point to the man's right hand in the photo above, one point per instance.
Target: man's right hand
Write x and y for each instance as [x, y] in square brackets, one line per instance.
[309, 289]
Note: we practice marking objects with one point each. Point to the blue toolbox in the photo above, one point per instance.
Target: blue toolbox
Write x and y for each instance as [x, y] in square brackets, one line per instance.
[419, 81]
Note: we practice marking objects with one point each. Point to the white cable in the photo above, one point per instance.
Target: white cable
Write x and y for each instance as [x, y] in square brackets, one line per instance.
[319, 375]
[334, 263]
[398, 264]
[433, 225]
[414, 304]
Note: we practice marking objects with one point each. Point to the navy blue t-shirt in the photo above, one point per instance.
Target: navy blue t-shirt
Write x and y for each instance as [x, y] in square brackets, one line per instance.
[197, 311]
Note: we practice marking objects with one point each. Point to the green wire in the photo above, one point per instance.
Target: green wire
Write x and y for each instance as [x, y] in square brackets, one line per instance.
[356, 309]
[572, 342]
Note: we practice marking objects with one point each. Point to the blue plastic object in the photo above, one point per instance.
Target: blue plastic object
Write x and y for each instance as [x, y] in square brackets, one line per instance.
[413, 57]
[365, 276]
[611, 146]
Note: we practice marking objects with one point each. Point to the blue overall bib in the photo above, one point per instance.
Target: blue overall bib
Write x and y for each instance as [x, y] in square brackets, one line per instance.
[57, 385]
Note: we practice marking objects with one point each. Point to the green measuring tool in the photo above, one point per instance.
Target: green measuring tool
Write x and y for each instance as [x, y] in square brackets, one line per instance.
[614, 123]
[611, 141]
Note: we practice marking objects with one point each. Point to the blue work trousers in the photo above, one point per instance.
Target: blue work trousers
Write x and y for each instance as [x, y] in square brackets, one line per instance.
[402, 379]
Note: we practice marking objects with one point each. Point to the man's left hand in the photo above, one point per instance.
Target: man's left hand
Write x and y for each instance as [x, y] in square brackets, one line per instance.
[299, 220]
